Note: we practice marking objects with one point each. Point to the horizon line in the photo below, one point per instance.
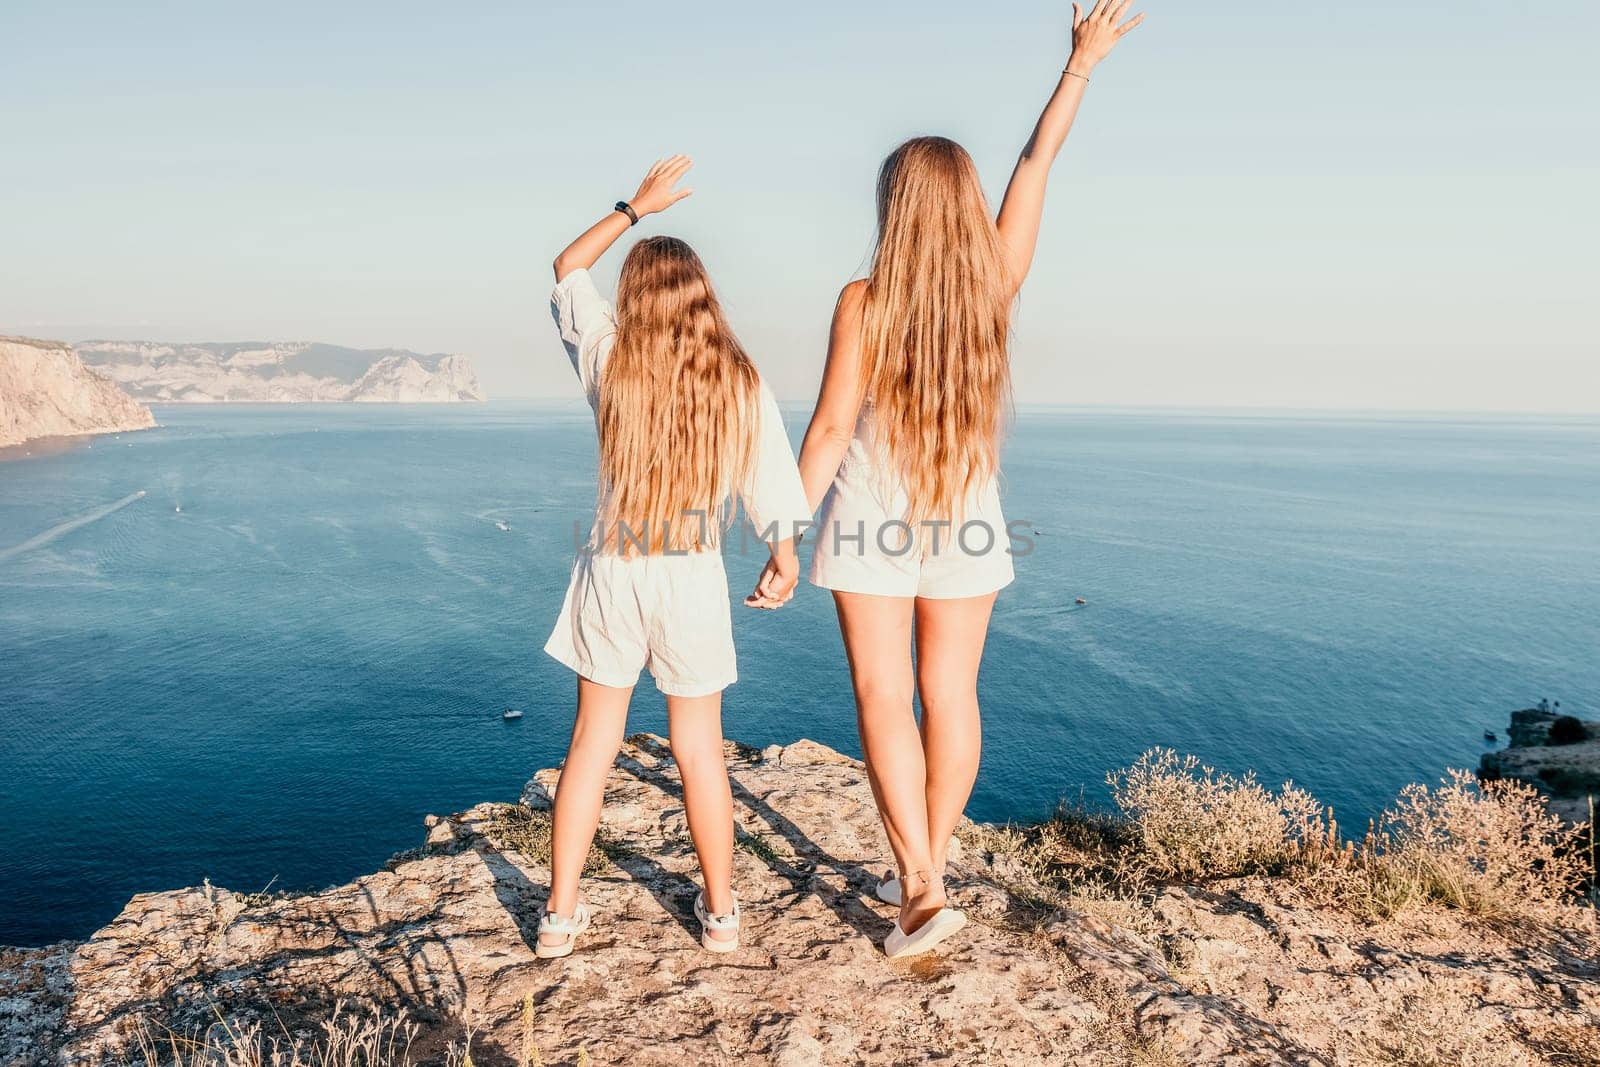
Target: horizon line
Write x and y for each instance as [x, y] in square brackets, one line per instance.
[1176, 409]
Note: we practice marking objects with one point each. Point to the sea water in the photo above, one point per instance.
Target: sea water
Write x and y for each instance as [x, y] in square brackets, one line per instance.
[258, 644]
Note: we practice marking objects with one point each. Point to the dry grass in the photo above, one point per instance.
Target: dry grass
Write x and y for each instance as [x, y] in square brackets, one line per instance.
[1589, 837]
[762, 849]
[347, 1039]
[1564, 1041]
[522, 829]
[1113, 1029]
[1080, 860]
[1438, 1027]
[530, 1048]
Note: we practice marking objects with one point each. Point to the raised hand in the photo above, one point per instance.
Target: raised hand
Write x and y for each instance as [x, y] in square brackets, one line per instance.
[656, 192]
[1095, 34]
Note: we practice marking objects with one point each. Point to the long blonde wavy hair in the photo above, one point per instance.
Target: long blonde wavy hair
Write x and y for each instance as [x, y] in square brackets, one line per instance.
[678, 397]
[936, 325]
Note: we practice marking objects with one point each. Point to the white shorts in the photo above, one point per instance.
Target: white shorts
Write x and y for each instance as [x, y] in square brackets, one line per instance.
[862, 545]
[667, 613]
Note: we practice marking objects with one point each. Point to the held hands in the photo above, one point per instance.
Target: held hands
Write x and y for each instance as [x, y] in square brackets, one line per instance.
[775, 588]
[1095, 34]
[656, 192]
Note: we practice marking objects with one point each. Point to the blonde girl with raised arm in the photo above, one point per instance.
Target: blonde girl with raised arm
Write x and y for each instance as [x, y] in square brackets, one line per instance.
[903, 455]
[685, 424]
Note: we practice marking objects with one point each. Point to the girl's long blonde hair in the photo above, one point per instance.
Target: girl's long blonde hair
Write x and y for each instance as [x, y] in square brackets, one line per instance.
[936, 326]
[678, 398]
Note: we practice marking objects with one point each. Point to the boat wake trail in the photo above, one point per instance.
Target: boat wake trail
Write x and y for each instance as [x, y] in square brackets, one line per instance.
[62, 529]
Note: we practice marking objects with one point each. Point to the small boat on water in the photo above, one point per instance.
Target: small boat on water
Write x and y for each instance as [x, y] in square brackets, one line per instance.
[1489, 735]
[1080, 600]
[502, 525]
[511, 713]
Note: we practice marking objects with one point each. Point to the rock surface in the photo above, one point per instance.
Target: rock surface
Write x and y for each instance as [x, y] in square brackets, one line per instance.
[1568, 774]
[46, 391]
[253, 371]
[1237, 972]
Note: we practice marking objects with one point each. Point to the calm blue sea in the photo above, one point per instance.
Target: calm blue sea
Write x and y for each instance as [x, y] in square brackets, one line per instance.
[272, 685]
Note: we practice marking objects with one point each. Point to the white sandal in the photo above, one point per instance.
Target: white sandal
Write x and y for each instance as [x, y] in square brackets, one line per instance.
[720, 923]
[945, 922]
[888, 889]
[567, 929]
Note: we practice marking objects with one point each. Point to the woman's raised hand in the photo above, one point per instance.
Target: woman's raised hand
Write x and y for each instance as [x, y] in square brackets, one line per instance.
[656, 192]
[1095, 34]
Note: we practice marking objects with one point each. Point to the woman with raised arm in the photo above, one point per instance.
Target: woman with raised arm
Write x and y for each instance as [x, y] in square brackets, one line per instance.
[903, 454]
[685, 424]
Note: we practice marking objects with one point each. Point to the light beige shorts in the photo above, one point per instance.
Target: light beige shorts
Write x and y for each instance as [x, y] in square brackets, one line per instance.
[861, 546]
[666, 613]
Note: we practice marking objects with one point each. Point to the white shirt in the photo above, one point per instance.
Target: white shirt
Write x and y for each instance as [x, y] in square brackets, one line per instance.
[772, 492]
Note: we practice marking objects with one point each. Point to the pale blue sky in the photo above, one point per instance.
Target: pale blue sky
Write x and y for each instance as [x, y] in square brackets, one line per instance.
[1271, 202]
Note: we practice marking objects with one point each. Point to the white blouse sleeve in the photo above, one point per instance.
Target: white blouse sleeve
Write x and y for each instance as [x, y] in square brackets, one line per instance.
[773, 493]
[587, 325]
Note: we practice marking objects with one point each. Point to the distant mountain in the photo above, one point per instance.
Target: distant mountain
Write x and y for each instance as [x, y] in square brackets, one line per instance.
[46, 391]
[279, 372]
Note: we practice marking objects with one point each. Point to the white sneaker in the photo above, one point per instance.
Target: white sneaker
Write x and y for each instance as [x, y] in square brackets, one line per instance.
[568, 929]
[719, 923]
[945, 922]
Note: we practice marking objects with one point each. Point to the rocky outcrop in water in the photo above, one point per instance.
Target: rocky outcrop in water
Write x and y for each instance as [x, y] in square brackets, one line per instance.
[1564, 768]
[1242, 971]
[253, 371]
[46, 391]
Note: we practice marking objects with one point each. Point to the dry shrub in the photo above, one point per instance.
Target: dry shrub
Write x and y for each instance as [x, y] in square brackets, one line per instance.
[1489, 848]
[1492, 850]
[1191, 821]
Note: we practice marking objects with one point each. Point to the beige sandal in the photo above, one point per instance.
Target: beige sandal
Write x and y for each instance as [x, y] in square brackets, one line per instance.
[568, 929]
[720, 923]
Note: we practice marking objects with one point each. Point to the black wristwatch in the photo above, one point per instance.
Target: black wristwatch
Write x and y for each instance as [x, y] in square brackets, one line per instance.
[627, 209]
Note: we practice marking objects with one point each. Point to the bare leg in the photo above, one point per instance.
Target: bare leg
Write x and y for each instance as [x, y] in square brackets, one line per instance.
[696, 727]
[877, 639]
[596, 736]
[950, 635]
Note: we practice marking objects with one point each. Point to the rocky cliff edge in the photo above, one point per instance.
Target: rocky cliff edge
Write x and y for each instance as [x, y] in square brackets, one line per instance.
[1236, 971]
[46, 391]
